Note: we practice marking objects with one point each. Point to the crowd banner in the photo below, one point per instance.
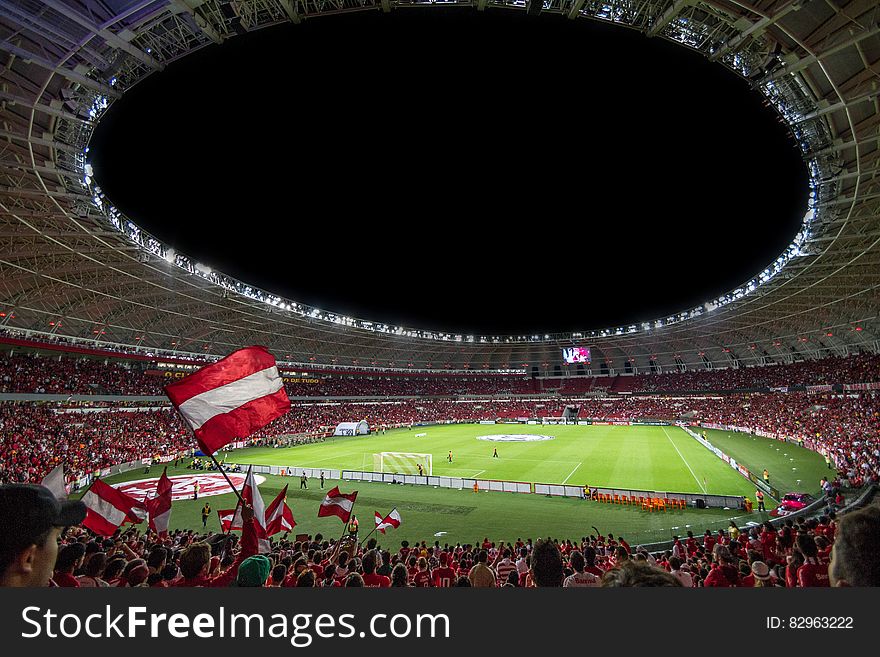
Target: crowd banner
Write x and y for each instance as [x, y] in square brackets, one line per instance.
[861, 386]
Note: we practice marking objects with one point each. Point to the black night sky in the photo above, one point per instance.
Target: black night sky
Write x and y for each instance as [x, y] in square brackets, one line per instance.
[454, 170]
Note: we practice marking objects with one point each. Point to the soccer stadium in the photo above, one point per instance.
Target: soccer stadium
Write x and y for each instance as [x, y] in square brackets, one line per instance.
[734, 442]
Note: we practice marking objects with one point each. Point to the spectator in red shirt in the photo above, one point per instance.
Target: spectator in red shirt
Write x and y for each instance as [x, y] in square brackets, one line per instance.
[708, 541]
[70, 557]
[422, 578]
[196, 558]
[444, 576]
[723, 573]
[371, 561]
[811, 573]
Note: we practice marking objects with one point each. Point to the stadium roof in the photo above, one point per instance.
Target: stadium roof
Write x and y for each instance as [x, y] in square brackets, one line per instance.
[72, 265]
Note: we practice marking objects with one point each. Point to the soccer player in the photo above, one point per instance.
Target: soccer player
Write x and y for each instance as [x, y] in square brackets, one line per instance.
[449, 458]
[495, 453]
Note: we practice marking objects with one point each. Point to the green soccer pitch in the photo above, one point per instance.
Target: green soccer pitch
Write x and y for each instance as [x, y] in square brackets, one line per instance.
[648, 458]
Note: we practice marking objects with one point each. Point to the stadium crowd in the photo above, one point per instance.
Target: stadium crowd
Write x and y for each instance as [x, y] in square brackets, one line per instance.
[49, 548]
[24, 373]
[862, 368]
[36, 438]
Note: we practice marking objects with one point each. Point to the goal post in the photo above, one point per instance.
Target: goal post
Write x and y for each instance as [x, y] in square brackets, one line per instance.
[403, 463]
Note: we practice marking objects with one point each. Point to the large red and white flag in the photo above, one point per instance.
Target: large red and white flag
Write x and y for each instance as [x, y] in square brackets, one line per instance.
[250, 493]
[231, 398]
[54, 481]
[279, 517]
[159, 507]
[337, 504]
[391, 521]
[107, 509]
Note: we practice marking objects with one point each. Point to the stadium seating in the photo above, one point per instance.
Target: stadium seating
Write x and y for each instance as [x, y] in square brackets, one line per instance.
[24, 373]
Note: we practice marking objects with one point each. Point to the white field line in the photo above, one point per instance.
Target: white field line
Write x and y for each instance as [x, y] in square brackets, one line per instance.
[572, 472]
[703, 488]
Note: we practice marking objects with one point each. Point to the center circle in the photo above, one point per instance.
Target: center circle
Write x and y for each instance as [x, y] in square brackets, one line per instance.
[515, 438]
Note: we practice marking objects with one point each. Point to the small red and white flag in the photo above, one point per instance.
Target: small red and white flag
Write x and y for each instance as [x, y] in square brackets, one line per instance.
[250, 493]
[159, 507]
[107, 509]
[231, 398]
[391, 521]
[337, 504]
[279, 517]
[54, 481]
[226, 519]
[287, 521]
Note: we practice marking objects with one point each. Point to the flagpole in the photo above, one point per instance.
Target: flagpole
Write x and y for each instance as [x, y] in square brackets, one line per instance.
[228, 480]
[234, 513]
[214, 459]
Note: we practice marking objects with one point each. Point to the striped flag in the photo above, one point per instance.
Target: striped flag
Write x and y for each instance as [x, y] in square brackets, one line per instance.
[279, 517]
[159, 507]
[337, 504]
[231, 398]
[391, 521]
[107, 509]
[250, 493]
[227, 516]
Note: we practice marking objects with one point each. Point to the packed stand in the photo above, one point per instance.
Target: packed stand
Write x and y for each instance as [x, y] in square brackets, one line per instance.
[52, 375]
[861, 368]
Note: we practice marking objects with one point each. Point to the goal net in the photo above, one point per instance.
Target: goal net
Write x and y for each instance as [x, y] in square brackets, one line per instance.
[402, 463]
[554, 420]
